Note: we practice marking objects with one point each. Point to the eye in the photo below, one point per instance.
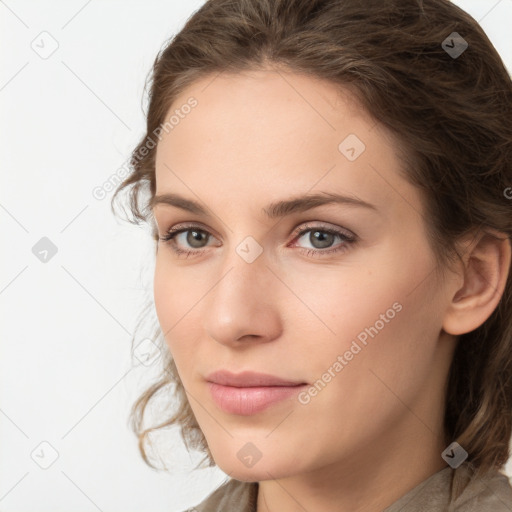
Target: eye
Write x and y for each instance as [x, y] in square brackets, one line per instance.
[321, 238]
[193, 236]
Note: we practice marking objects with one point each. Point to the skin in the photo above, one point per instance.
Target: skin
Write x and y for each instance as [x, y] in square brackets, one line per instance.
[375, 430]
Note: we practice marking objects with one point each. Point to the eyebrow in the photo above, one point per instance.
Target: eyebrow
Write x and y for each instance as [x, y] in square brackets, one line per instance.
[273, 210]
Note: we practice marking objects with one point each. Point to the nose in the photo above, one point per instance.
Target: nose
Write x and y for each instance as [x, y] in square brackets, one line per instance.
[244, 304]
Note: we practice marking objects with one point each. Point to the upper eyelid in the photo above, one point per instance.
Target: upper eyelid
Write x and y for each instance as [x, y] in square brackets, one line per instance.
[296, 231]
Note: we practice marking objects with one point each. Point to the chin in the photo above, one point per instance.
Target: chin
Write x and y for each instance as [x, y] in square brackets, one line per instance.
[267, 469]
[253, 474]
[254, 456]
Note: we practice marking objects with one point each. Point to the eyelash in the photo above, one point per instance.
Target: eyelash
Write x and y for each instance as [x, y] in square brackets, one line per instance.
[346, 238]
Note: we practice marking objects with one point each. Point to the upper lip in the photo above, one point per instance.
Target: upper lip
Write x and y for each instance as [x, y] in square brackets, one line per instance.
[249, 379]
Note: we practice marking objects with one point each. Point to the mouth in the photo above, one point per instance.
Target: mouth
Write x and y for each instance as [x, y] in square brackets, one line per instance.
[249, 379]
[248, 393]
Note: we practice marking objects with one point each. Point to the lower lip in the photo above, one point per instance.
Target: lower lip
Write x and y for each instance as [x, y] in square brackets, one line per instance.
[247, 401]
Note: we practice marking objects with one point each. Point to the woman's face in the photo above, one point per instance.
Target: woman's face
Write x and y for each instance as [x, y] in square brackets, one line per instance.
[338, 296]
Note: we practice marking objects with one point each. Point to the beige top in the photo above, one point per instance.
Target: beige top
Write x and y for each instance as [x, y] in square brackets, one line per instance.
[438, 493]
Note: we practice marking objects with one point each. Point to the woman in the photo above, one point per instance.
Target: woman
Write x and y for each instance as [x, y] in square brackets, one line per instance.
[328, 183]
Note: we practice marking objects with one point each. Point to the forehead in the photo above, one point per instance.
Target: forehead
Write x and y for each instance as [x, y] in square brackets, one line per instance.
[259, 134]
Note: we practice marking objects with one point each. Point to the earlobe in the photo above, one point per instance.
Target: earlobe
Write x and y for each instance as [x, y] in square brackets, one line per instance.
[485, 272]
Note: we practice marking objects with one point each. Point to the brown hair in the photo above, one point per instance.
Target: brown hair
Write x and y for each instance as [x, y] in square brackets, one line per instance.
[451, 119]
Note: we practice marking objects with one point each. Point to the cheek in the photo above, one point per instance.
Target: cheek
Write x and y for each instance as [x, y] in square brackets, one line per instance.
[336, 305]
[381, 377]
[388, 345]
[163, 295]
[179, 295]
[174, 302]
[174, 292]
[382, 316]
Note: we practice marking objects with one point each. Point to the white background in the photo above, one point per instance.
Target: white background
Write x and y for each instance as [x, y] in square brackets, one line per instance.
[67, 375]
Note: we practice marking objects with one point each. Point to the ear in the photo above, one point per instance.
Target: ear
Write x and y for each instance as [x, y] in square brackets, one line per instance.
[486, 265]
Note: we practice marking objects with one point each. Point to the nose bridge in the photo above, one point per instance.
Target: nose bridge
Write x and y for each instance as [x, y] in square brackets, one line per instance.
[245, 277]
[244, 266]
[241, 302]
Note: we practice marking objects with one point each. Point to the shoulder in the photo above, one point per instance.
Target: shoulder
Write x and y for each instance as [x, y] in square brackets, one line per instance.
[491, 493]
[233, 495]
[457, 490]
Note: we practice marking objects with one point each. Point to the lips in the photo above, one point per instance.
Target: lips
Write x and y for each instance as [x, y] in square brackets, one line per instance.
[249, 379]
[249, 392]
